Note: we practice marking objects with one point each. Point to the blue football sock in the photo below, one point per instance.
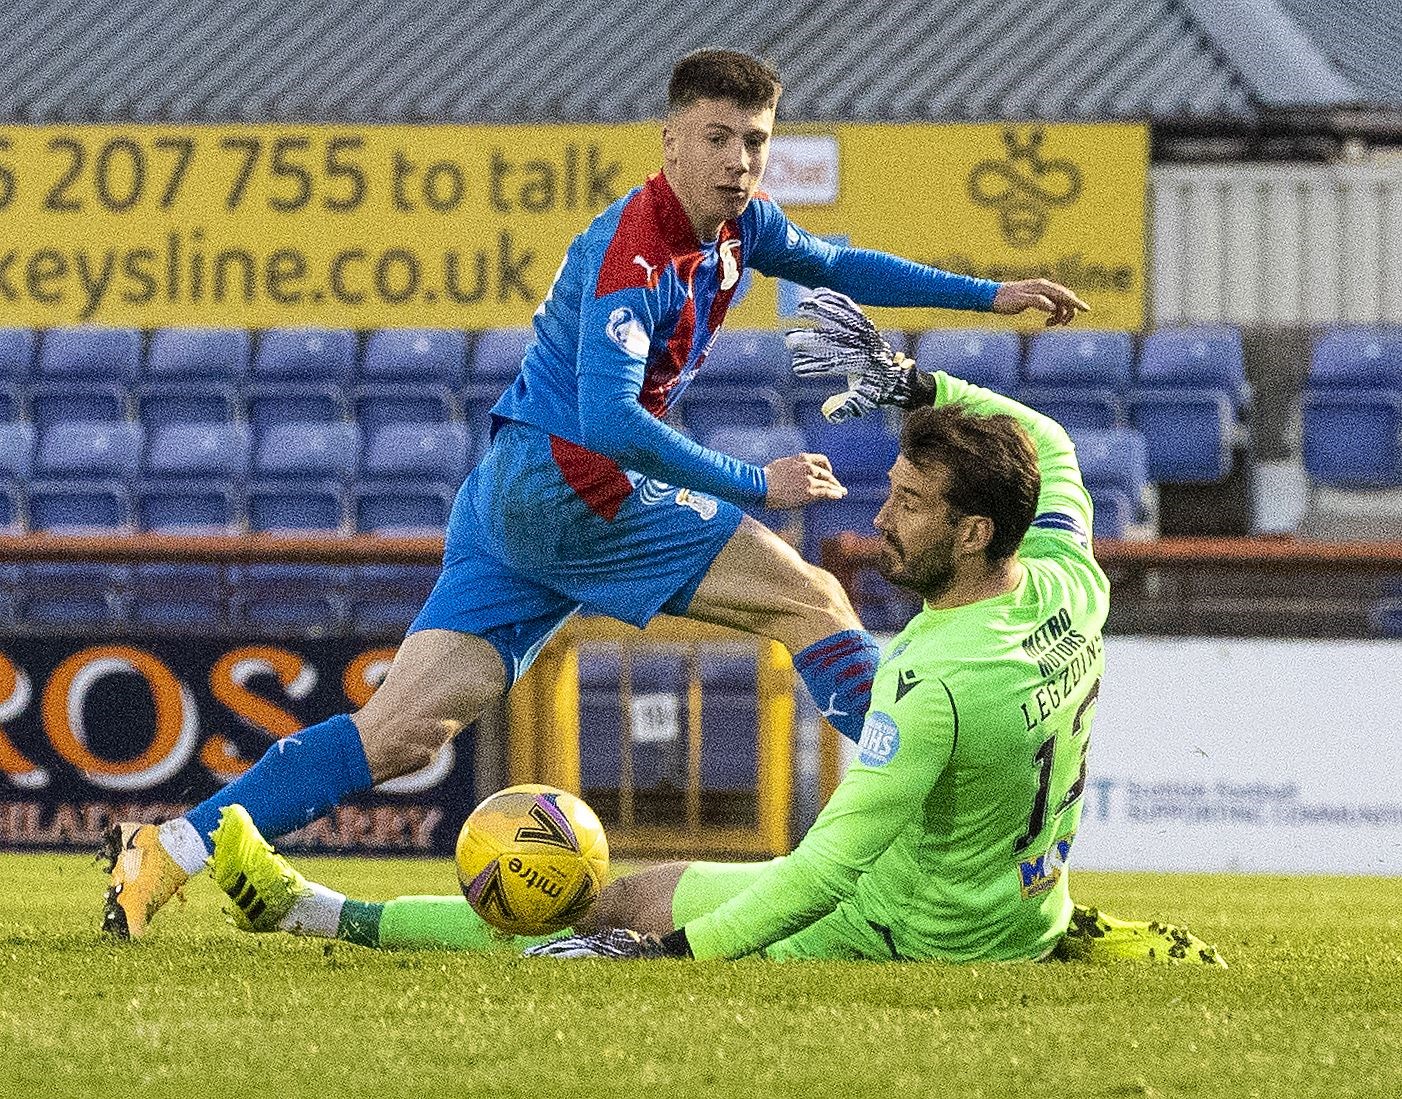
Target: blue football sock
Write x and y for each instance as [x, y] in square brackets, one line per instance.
[838, 671]
[298, 779]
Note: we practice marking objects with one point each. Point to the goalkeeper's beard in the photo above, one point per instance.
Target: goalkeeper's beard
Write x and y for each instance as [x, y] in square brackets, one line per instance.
[928, 573]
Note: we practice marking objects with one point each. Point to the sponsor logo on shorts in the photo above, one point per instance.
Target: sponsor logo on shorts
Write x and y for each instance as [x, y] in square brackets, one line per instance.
[628, 334]
[704, 506]
[1041, 874]
[880, 741]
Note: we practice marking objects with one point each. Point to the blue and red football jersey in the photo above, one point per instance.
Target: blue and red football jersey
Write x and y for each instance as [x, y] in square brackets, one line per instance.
[635, 308]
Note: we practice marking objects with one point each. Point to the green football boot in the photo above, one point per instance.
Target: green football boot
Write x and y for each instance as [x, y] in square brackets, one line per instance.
[1095, 936]
[261, 883]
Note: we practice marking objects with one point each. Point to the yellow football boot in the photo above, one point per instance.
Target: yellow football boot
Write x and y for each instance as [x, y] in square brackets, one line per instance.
[1094, 936]
[144, 877]
[262, 884]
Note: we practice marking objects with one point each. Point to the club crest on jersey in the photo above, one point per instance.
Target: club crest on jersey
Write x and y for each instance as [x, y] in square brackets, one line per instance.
[880, 740]
[730, 263]
[1039, 875]
[627, 334]
[704, 506]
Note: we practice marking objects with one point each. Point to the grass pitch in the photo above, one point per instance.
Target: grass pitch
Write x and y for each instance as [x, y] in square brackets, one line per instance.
[1312, 1006]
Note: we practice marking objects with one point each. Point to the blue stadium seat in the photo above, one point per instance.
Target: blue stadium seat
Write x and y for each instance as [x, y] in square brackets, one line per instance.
[199, 450]
[13, 405]
[306, 355]
[1114, 513]
[881, 605]
[758, 445]
[90, 449]
[384, 599]
[477, 400]
[11, 508]
[1188, 433]
[168, 506]
[309, 451]
[706, 408]
[424, 403]
[729, 720]
[280, 404]
[288, 599]
[1358, 356]
[428, 452]
[1201, 358]
[1114, 459]
[1076, 406]
[986, 358]
[600, 717]
[77, 597]
[419, 356]
[175, 597]
[497, 355]
[54, 401]
[748, 357]
[1353, 438]
[16, 353]
[11, 595]
[862, 450]
[397, 507]
[854, 512]
[1080, 357]
[297, 508]
[160, 403]
[16, 450]
[76, 507]
[106, 354]
[207, 354]
[1385, 617]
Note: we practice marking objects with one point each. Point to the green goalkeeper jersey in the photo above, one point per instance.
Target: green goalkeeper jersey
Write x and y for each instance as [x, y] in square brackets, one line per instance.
[950, 834]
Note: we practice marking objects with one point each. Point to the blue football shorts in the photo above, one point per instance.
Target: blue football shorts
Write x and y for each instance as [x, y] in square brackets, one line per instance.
[524, 551]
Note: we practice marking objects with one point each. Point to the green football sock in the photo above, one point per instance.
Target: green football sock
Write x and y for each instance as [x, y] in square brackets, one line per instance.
[444, 923]
[359, 922]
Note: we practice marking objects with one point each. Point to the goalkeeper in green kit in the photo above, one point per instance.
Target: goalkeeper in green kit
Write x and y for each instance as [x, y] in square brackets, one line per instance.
[950, 836]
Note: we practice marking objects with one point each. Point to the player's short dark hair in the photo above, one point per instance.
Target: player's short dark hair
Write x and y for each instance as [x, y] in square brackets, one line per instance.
[992, 467]
[746, 81]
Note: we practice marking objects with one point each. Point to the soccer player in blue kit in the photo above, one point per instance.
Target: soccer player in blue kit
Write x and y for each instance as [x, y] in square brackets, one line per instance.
[587, 497]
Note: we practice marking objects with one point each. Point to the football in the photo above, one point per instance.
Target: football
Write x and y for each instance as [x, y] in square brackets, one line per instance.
[531, 859]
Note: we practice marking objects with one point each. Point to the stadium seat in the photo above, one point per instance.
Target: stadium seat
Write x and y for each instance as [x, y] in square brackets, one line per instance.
[748, 358]
[1353, 438]
[1188, 433]
[219, 355]
[296, 508]
[103, 354]
[425, 403]
[308, 451]
[199, 450]
[280, 404]
[1114, 513]
[16, 450]
[1113, 459]
[76, 597]
[861, 450]
[13, 405]
[11, 508]
[854, 512]
[90, 449]
[1086, 357]
[986, 358]
[431, 452]
[600, 722]
[16, 353]
[497, 354]
[166, 506]
[1075, 406]
[1199, 358]
[54, 401]
[705, 408]
[11, 596]
[394, 507]
[78, 507]
[175, 597]
[306, 600]
[384, 599]
[429, 356]
[160, 403]
[758, 445]
[881, 605]
[1358, 356]
[729, 723]
[312, 356]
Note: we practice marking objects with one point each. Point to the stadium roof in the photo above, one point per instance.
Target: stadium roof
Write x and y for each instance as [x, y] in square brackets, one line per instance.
[493, 60]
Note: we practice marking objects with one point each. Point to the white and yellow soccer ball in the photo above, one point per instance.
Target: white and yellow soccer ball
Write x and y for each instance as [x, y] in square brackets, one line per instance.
[531, 859]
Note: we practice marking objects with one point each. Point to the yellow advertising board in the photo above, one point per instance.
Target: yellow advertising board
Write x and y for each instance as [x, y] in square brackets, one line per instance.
[465, 226]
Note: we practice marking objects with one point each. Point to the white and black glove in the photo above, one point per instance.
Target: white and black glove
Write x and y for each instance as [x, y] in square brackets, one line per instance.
[841, 340]
[613, 944]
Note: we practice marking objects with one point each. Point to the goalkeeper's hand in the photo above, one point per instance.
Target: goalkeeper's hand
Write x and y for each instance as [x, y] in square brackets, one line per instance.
[840, 339]
[612, 943]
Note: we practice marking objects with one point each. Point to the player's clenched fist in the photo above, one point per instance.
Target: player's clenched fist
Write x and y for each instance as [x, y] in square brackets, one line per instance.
[799, 480]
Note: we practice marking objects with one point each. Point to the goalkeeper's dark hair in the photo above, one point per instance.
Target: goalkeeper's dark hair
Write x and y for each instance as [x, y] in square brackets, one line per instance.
[992, 467]
[746, 81]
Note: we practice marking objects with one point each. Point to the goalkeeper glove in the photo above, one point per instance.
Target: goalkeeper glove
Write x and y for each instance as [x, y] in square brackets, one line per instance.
[614, 944]
[841, 339]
